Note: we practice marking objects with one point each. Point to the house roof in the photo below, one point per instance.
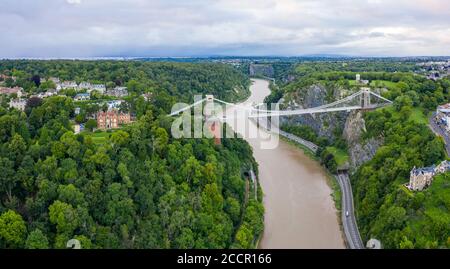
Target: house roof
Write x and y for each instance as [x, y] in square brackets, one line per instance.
[423, 170]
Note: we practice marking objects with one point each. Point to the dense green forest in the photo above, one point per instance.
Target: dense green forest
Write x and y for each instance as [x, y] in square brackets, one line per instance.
[178, 80]
[139, 188]
[385, 209]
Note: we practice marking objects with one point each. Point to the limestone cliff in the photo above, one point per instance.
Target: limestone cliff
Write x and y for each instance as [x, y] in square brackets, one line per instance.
[350, 125]
[360, 150]
[324, 124]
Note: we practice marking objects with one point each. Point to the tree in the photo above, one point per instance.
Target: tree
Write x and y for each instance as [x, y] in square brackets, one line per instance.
[244, 238]
[64, 216]
[12, 228]
[119, 138]
[37, 240]
[8, 179]
[233, 209]
[80, 118]
[32, 102]
[48, 84]
[36, 79]
[91, 124]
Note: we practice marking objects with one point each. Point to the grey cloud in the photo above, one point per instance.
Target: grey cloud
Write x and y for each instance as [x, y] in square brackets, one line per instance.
[83, 28]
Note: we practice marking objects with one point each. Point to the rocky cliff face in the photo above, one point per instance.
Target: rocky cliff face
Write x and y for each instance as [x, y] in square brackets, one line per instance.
[360, 150]
[350, 125]
[324, 124]
[261, 70]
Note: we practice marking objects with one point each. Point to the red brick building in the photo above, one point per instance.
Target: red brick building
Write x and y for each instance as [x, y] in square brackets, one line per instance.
[112, 119]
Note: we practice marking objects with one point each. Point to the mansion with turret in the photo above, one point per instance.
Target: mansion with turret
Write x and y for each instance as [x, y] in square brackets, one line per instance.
[420, 178]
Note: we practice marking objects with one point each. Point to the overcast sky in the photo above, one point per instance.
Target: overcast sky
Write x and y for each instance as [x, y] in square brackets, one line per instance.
[87, 28]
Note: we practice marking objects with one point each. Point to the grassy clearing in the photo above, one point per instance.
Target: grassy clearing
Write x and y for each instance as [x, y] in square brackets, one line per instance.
[384, 83]
[416, 115]
[100, 137]
[340, 155]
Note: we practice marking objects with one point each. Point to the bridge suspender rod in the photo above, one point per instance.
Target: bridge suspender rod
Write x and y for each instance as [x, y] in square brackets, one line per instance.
[187, 107]
[381, 97]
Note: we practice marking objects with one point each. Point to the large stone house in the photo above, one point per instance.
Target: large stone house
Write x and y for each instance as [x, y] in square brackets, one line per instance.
[421, 178]
[112, 119]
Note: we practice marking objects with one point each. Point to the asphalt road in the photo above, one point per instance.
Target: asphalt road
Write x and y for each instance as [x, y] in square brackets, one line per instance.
[349, 222]
[438, 130]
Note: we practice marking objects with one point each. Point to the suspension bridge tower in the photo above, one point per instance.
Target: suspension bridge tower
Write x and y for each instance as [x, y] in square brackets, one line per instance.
[365, 98]
[213, 124]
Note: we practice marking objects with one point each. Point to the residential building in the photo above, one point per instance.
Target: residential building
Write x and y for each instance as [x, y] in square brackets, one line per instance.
[114, 104]
[55, 80]
[118, 92]
[48, 93]
[69, 85]
[420, 178]
[77, 111]
[147, 96]
[78, 128]
[16, 90]
[101, 88]
[443, 116]
[18, 104]
[85, 85]
[112, 119]
[82, 97]
[5, 77]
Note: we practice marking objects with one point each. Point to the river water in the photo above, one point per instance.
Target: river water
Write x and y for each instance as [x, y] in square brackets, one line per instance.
[299, 210]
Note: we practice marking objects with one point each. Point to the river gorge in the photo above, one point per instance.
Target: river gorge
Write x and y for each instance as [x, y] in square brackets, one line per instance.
[299, 209]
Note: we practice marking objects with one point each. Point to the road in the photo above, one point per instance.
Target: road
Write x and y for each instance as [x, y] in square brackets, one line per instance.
[438, 131]
[349, 222]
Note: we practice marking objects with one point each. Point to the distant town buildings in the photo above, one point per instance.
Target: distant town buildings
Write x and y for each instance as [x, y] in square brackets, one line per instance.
[18, 104]
[112, 119]
[435, 70]
[421, 178]
[101, 88]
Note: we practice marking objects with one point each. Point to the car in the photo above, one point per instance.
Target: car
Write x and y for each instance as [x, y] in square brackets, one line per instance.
[346, 213]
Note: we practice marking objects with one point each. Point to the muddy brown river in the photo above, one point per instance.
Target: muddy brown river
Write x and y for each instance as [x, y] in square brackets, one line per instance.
[299, 210]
